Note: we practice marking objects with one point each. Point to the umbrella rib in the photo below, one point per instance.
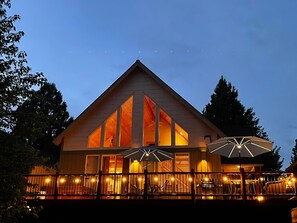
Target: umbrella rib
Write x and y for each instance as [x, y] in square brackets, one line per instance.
[247, 149]
[170, 157]
[262, 147]
[219, 148]
[231, 151]
[156, 157]
[131, 154]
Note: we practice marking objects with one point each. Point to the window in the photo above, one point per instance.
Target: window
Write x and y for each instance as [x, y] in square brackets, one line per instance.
[181, 136]
[94, 138]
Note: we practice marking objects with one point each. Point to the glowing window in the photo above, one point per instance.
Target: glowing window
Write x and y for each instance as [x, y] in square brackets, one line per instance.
[94, 138]
[110, 130]
[149, 121]
[126, 123]
[181, 136]
[164, 129]
[182, 162]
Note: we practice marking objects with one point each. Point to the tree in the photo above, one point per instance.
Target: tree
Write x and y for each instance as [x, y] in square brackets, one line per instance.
[16, 85]
[16, 81]
[40, 119]
[16, 161]
[228, 114]
[294, 153]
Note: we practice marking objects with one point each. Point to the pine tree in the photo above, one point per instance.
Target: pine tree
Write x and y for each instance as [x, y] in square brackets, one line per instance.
[294, 153]
[228, 114]
[40, 119]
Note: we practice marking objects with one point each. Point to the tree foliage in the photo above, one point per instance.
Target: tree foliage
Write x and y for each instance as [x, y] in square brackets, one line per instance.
[17, 160]
[16, 85]
[294, 153]
[16, 79]
[228, 114]
[40, 119]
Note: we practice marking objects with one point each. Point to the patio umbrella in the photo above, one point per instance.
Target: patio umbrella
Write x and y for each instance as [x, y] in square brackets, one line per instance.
[147, 153]
[240, 146]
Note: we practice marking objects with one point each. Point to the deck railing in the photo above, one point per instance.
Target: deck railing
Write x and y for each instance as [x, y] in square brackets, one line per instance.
[165, 185]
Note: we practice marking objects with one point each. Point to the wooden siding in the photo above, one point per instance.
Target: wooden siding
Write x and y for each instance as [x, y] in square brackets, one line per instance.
[72, 163]
[137, 84]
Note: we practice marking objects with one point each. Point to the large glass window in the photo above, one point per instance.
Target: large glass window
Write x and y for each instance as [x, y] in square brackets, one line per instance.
[92, 164]
[126, 123]
[164, 129]
[181, 136]
[149, 121]
[94, 138]
[182, 162]
[110, 130]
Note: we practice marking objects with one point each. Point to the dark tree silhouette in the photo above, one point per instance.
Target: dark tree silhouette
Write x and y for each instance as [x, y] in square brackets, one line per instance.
[40, 119]
[16, 84]
[228, 114]
[16, 81]
[294, 153]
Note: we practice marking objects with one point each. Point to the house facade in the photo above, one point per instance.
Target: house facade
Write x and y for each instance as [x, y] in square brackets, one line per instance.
[138, 109]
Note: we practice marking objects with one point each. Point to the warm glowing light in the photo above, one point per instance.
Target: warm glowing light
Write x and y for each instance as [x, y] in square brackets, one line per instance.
[261, 178]
[289, 183]
[62, 180]
[139, 179]
[225, 178]
[107, 179]
[206, 179]
[47, 180]
[124, 179]
[135, 161]
[155, 178]
[260, 198]
[190, 179]
[77, 180]
[238, 146]
[172, 179]
[147, 154]
[93, 180]
[293, 179]
[181, 133]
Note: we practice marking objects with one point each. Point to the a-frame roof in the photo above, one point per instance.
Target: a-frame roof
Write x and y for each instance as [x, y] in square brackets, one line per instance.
[137, 65]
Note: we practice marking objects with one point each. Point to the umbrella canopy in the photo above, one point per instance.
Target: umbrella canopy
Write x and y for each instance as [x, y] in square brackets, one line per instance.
[240, 146]
[147, 153]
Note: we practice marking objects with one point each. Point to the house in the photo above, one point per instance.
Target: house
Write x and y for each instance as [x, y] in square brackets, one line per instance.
[138, 109]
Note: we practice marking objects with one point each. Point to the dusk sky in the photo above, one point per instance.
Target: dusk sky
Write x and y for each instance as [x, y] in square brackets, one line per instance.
[84, 46]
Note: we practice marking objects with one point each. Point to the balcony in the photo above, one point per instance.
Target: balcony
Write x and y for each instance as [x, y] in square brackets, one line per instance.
[166, 185]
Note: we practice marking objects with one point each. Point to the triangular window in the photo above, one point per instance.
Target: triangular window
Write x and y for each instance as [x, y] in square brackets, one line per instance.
[117, 131]
[159, 128]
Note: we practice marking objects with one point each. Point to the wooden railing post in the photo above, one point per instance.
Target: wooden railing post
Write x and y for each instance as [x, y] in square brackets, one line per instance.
[193, 185]
[98, 196]
[145, 184]
[243, 186]
[56, 186]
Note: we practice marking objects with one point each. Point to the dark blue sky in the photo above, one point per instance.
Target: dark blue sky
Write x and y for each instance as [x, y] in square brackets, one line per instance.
[84, 46]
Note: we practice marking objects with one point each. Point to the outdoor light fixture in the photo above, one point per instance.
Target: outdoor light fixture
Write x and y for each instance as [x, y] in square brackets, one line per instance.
[207, 139]
[62, 180]
[47, 180]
